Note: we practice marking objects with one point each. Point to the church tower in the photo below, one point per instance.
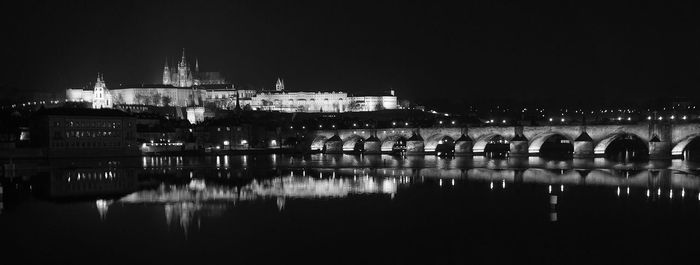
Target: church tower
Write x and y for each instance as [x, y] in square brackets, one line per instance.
[101, 97]
[279, 86]
[166, 73]
[183, 72]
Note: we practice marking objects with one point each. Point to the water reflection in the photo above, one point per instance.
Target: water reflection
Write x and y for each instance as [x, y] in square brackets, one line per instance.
[184, 202]
[190, 188]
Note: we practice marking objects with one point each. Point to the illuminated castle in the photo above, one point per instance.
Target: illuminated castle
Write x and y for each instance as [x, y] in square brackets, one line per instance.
[184, 76]
[186, 87]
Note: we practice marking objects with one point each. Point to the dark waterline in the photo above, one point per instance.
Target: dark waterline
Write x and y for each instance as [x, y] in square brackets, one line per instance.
[343, 209]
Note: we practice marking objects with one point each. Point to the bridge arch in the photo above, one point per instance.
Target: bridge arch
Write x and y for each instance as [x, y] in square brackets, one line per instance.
[351, 143]
[318, 143]
[389, 142]
[602, 148]
[433, 141]
[680, 148]
[482, 141]
[535, 145]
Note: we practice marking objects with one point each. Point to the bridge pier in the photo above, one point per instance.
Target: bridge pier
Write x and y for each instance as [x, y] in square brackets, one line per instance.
[519, 144]
[583, 149]
[372, 145]
[518, 148]
[334, 146]
[415, 145]
[464, 147]
[659, 149]
[583, 146]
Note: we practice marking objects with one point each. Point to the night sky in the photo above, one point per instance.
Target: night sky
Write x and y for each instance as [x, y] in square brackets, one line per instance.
[559, 50]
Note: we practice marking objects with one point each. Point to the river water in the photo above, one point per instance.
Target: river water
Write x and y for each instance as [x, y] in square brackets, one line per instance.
[348, 209]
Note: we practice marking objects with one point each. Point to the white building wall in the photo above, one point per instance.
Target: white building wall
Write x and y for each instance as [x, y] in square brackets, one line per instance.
[301, 101]
[74, 94]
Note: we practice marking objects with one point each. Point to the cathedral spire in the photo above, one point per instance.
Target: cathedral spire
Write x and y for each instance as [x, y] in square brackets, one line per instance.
[279, 86]
[196, 65]
[183, 55]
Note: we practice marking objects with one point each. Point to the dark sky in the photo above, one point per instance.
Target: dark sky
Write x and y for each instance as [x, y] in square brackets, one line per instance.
[520, 50]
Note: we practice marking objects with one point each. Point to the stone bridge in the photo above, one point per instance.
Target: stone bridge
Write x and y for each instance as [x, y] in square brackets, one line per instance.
[663, 140]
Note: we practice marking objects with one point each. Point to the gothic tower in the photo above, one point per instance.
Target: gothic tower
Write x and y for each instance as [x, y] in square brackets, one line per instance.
[166, 73]
[183, 72]
[279, 86]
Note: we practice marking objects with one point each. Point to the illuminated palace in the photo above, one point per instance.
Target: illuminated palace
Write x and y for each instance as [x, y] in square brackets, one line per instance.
[184, 86]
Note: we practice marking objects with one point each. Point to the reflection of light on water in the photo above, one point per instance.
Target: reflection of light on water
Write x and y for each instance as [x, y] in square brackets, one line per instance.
[102, 207]
[197, 184]
[183, 202]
